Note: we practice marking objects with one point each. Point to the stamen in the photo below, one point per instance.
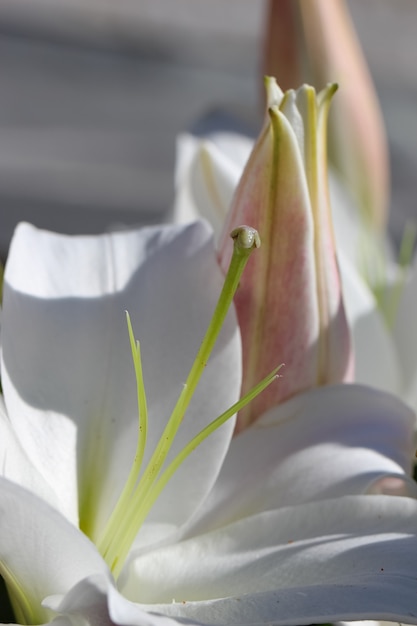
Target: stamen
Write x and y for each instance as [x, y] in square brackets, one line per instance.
[135, 502]
[122, 504]
[202, 435]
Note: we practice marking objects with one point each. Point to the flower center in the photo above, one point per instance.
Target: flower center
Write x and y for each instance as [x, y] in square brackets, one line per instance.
[143, 486]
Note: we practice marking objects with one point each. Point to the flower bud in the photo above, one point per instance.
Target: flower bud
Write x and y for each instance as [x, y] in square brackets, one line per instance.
[289, 303]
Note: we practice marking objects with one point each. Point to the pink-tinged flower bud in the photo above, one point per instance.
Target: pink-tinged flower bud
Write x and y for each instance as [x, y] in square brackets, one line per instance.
[315, 41]
[289, 303]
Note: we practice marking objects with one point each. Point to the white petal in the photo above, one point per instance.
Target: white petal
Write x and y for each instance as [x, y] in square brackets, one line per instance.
[346, 220]
[15, 465]
[67, 372]
[325, 443]
[306, 605]
[99, 603]
[376, 361]
[235, 146]
[366, 623]
[42, 550]
[365, 248]
[345, 558]
[207, 185]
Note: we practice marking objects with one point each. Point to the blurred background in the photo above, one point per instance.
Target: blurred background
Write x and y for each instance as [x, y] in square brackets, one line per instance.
[94, 92]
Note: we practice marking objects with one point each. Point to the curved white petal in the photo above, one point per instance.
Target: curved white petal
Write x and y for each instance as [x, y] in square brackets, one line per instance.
[15, 465]
[290, 566]
[97, 600]
[348, 228]
[43, 551]
[235, 146]
[376, 357]
[67, 372]
[329, 442]
[365, 247]
[349, 558]
[213, 179]
[206, 178]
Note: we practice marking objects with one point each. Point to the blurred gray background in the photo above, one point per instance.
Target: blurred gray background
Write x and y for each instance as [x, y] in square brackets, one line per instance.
[94, 92]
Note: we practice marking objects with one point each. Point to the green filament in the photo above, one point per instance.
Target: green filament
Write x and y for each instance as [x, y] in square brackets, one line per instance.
[128, 489]
[162, 481]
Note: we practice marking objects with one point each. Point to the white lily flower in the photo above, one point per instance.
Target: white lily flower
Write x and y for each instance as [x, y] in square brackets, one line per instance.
[305, 517]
